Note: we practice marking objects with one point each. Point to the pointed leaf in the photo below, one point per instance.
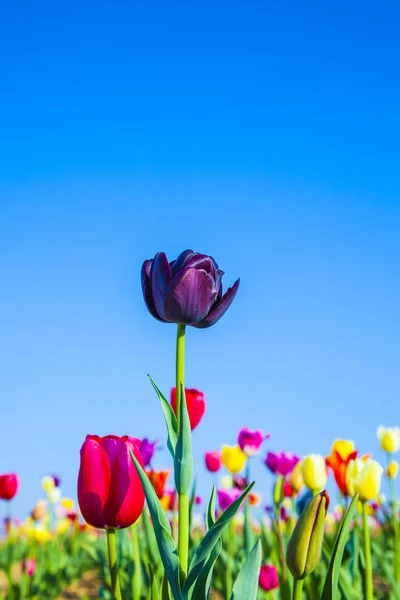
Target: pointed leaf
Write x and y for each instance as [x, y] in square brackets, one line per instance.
[170, 419]
[162, 530]
[211, 538]
[246, 584]
[154, 592]
[332, 578]
[183, 461]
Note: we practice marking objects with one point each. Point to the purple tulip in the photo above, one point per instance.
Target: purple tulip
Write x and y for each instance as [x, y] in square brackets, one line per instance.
[227, 497]
[187, 291]
[281, 463]
[147, 450]
[250, 441]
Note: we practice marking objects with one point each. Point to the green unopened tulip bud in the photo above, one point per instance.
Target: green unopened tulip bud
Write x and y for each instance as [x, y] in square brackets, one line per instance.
[304, 549]
[278, 491]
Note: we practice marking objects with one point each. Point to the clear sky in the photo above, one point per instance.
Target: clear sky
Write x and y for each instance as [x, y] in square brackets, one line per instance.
[264, 134]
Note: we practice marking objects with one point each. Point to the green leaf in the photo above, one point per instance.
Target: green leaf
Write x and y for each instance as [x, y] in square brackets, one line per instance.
[247, 530]
[154, 592]
[165, 589]
[330, 590]
[203, 581]
[183, 461]
[162, 530]
[151, 542]
[170, 419]
[210, 540]
[246, 584]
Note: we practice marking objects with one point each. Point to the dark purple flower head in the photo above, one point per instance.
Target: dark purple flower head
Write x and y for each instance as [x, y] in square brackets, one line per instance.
[147, 450]
[187, 291]
[281, 463]
[240, 482]
[57, 480]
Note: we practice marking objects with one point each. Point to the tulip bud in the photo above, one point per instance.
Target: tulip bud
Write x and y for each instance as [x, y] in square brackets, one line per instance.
[392, 469]
[296, 478]
[389, 438]
[314, 472]
[304, 548]
[278, 491]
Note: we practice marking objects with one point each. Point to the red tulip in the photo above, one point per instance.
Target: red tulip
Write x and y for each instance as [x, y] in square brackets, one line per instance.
[8, 486]
[196, 405]
[213, 461]
[110, 493]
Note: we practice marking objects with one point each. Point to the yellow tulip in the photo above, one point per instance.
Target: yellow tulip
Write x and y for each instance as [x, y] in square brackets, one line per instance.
[47, 483]
[392, 469]
[68, 504]
[343, 447]
[233, 458]
[364, 477]
[389, 438]
[296, 477]
[63, 525]
[314, 473]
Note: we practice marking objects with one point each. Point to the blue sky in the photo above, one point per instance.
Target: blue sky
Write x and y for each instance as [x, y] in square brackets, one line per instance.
[266, 136]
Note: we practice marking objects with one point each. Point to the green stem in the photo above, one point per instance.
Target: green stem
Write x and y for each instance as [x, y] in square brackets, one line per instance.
[367, 550]
[297, 589]
[395, 521]
[137, 575]
[112, 562]
[183, 506]
[228, 570]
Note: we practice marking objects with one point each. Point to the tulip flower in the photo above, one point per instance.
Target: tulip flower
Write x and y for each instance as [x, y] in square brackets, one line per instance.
[147, 450]
[304, 548]
[268, 579]
[342, 453]
[250, 441]
[29, 566]
[233, 458]
[296, 478]
[254, 498]
[8, 486]
[196, 405]
[288, 490]
[187, 291]
[158, 479]
[110, 493]
[227, 497]
[57, 480]
[213, 461]
[364, 476]
[39, 510]
[389, 438]
[281, 463]
[314, 472]
[392, 469]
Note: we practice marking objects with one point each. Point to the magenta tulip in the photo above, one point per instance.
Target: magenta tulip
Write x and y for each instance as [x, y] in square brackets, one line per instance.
[281, 463]
[268, 579]
[227, 497]
[250, 441]
[213, 461]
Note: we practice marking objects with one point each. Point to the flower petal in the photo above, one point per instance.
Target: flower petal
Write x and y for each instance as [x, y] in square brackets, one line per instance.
[189, 296]
[93, 482]
[178, 264]
[160, 276]
[202, 261]
[219, 308]
[146, 288]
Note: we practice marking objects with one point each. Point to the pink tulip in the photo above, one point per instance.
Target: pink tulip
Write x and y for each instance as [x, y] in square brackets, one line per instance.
[250, 441]
[29, 566]
[268, 579]
[213, 461]
[281, 463]
[227, 497]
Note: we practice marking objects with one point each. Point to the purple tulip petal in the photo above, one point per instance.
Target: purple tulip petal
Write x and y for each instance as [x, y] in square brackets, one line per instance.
[189, 296]
[180, 262]
[160, 276]
[202, 261]
[146, 288]
[219, 308]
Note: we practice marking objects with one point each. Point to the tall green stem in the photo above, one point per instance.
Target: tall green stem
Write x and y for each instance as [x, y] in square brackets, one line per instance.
[137, 575]
[183, 507]
[112, 561]
[367, 550]
[297, 589]
[395, 521]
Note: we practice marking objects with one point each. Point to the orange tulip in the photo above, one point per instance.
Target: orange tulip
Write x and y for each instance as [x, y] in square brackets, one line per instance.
[342, 453]
[158, 479]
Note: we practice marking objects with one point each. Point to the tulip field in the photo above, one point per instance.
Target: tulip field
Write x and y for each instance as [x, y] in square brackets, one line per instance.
[137, 533]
